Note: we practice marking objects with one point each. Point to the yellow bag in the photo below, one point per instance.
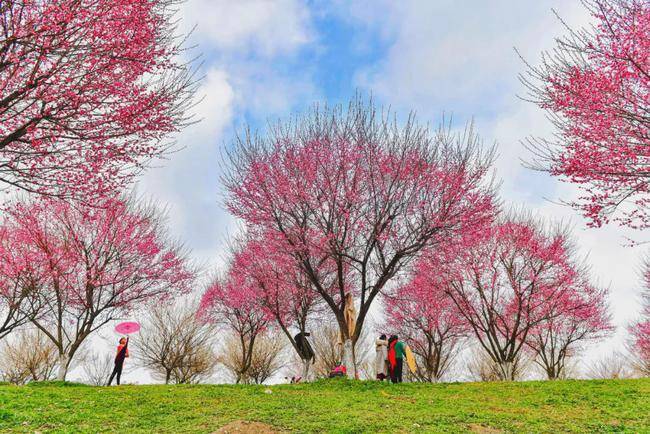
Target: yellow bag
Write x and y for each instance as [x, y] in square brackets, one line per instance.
[410, 359]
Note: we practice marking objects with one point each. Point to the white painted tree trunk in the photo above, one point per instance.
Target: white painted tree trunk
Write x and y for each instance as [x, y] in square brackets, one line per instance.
[305, 370]
[348, 359]
[507, 369]
[63, 367]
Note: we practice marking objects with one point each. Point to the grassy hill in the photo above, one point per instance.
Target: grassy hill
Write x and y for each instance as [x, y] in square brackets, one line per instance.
[331, 406]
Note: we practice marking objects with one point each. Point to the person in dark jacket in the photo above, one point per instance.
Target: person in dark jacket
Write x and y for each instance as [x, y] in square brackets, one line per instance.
[305, 350]
[306, 353]
[122, 353]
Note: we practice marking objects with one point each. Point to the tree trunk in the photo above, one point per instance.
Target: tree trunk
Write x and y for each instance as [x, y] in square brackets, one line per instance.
[553, 373]
[550, 374]
[348, 359]
[63, 367]
[305, 370]
[507, 371]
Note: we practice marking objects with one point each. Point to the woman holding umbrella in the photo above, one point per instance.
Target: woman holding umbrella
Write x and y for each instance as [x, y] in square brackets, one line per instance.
[123, 348]
[122, 353]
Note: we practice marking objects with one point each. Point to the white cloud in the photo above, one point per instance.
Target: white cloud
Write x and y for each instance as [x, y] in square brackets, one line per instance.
[265, 27]
[266, 93]
[241, 42]
[215, 107]
[456, 58]
[453, 56]
[187, 182]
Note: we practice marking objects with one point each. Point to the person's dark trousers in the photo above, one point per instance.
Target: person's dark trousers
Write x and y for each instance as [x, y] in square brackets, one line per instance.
[117, 370]
[397, 372]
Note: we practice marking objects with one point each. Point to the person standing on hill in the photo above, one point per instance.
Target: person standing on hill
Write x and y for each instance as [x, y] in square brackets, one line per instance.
[306, 353]
[381, 357]
[122, 353]
[396, 353]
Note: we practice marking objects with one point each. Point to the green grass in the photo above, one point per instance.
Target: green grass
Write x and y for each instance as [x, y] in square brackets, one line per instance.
[332, 406]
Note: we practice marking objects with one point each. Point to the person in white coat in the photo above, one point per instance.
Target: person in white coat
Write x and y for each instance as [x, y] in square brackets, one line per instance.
[381, 358]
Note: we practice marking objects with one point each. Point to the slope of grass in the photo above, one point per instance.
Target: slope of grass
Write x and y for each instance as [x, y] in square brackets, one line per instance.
[332, 406]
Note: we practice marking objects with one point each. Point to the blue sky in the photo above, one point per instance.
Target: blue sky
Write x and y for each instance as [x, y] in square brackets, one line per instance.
[266, 59]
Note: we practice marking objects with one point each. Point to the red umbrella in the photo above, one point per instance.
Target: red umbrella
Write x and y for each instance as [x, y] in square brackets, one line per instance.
[128, 327]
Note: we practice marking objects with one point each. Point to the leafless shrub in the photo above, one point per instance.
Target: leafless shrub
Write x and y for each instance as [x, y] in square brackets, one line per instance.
[266, 357]
[326, 343]
[27, 356]
[328, 351]
[97, 368]
[609, 367]
[640, 366]
[175, 345]
[434, 356]
[638, 359]
[481, 367]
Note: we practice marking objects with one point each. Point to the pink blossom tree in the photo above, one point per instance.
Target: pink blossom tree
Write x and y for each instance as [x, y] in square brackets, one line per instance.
[640, 330]
[89, 90]
[356, 196]
[422, 314]
[595, 86]
[508, 283]
[584, 317]
[225, 302]
[95, 265]
[641, 336]
[281, 288]
[19, 283]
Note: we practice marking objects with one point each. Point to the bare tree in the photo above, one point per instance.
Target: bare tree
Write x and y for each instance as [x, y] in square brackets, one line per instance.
[482, 367]
[197, 366]
[640, 365]
[610, 367]
[29, 356]
[327, 349]
[434, 356]
[97, 367]
[266, 357]
[175, 345]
